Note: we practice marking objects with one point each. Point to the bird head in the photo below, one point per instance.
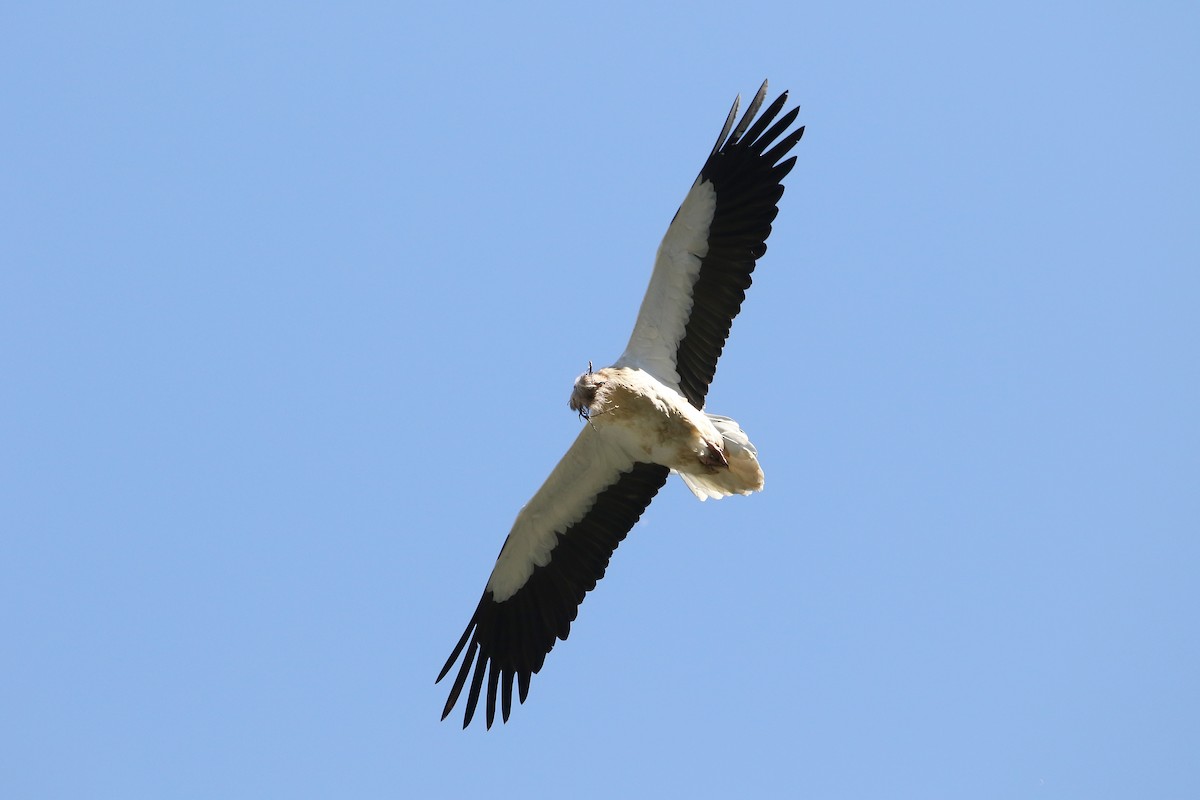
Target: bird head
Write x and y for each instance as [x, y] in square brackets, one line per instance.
[583, 395]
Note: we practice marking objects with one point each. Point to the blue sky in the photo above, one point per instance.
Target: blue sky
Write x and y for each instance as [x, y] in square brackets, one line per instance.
[291, 300]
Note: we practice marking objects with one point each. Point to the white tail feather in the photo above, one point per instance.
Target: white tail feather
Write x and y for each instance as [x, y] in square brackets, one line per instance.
[744, 474]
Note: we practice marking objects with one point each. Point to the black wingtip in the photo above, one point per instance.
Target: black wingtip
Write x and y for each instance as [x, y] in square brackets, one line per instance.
[751, 111]
[459, 681]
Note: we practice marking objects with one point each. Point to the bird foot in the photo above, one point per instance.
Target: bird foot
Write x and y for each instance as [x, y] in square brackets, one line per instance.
[713, 456]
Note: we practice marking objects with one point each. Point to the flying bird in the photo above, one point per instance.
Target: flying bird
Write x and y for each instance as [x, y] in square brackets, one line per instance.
[643, 416]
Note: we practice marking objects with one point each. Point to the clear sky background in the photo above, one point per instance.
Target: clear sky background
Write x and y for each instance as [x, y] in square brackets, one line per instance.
[292, 297]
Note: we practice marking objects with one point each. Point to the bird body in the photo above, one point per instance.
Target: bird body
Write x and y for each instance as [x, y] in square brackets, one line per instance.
[644, 417]
[653, 422]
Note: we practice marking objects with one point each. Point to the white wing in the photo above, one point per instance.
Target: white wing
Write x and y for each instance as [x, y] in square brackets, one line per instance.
[704, 263]
[559, 547]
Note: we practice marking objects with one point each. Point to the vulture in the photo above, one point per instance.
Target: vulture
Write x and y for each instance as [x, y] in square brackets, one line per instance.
[643, 417]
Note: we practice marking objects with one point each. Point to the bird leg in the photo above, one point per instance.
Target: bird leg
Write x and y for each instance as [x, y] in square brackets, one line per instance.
[713, 456]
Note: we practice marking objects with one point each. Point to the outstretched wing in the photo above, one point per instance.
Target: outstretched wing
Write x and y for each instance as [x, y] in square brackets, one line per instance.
[703, 265]
[557, 550]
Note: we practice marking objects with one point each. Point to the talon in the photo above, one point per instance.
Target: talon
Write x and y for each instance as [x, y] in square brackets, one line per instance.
[713, 456]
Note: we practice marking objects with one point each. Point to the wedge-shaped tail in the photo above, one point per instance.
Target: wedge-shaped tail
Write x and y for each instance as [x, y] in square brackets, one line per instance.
[744, 474]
